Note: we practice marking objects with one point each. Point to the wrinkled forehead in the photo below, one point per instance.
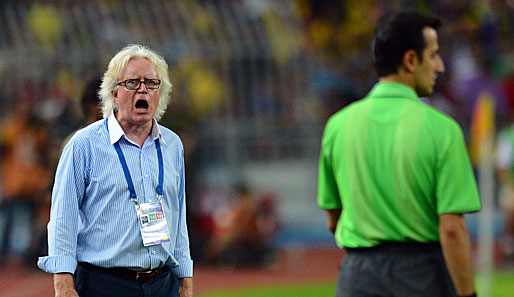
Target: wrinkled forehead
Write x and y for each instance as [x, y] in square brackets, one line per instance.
[139, 67]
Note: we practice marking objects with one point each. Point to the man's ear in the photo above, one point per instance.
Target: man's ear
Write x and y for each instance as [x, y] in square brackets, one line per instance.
[115, 94]
[410, 60]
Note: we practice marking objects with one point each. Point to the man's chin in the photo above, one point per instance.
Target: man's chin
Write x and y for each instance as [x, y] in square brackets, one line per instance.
[424, 92]
[142, 117]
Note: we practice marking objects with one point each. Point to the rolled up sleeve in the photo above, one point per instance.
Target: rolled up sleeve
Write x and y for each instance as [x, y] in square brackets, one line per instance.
[182, 253]
[64, 215]
[57, 264]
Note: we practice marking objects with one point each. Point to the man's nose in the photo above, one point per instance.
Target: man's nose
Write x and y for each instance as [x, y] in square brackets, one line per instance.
[440, 64]
[141, 88]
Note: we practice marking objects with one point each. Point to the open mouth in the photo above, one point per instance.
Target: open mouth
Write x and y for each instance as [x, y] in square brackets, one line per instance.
[141, 105]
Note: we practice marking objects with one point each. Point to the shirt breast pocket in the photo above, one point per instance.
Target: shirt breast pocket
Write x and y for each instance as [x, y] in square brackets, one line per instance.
[108, 182]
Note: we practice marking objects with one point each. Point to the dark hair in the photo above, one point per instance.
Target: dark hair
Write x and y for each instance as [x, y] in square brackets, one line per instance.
[90, 94]
[396, 33]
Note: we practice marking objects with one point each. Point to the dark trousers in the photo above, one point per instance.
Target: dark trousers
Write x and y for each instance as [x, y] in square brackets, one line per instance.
[395, 270]
[92, 282]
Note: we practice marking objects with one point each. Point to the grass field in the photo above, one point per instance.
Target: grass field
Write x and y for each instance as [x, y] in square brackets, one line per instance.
[502, 285]
[284, 290]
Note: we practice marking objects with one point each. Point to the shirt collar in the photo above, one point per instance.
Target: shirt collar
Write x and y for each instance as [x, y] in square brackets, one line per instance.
[116, 132]
[394, 90]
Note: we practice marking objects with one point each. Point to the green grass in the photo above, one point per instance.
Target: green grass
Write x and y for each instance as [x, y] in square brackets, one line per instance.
[318, 289]
[502, 285]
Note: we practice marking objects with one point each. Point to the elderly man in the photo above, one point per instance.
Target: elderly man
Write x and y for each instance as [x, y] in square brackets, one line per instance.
[118, 204]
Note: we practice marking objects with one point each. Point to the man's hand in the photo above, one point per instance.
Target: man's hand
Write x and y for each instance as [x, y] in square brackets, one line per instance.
[64, 285]
[186, 287]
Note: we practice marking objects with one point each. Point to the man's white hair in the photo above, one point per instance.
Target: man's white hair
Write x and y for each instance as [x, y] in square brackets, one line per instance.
[115, 70]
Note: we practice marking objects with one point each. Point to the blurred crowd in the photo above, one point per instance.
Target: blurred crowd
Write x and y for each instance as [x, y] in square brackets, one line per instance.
[263, 68]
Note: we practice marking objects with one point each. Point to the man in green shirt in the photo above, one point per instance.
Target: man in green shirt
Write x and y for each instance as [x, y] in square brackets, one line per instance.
[395, 177]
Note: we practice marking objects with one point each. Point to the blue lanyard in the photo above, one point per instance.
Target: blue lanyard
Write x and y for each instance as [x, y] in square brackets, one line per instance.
[126, 171]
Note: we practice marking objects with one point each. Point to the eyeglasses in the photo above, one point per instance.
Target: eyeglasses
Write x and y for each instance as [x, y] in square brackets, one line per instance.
[134, 84]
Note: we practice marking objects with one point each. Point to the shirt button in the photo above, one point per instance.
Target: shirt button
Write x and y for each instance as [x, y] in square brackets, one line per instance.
[146, 175]
[153, 252]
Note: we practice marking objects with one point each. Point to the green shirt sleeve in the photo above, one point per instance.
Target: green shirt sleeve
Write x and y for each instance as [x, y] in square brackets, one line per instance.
[456, 187]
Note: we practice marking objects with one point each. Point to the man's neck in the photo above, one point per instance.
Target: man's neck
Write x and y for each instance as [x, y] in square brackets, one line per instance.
[400, 77]
[135, 132]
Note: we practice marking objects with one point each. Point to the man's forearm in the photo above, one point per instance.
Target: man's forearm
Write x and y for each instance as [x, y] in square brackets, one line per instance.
[456, 247]
[186, 287]
[332, 219]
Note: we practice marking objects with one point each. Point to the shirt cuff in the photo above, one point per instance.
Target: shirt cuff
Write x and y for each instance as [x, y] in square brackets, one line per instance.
[57, 264]
[184, 269]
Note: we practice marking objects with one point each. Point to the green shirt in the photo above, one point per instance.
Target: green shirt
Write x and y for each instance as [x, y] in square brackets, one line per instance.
[393, 165]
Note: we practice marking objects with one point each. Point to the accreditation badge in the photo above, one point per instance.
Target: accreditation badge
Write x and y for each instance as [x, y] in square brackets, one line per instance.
[152, 222]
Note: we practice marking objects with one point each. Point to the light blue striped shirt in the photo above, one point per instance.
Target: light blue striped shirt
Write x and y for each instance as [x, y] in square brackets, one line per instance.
[92, 217]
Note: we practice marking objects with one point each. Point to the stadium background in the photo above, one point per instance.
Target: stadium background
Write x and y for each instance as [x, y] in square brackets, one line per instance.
[254, 82]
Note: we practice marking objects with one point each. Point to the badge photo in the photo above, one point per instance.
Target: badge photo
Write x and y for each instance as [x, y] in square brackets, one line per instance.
[144, 220]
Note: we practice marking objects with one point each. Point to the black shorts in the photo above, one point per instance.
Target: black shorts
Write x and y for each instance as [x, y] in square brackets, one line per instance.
[395, 270]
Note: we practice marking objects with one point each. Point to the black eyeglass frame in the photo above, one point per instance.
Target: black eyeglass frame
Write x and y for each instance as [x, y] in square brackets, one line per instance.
[139, 82]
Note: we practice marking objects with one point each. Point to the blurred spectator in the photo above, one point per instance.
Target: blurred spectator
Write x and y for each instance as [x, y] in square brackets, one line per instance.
[505, 170]
[508, 89]
[243, 231]
[89, 105]
[477, 83]
[25, 177]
